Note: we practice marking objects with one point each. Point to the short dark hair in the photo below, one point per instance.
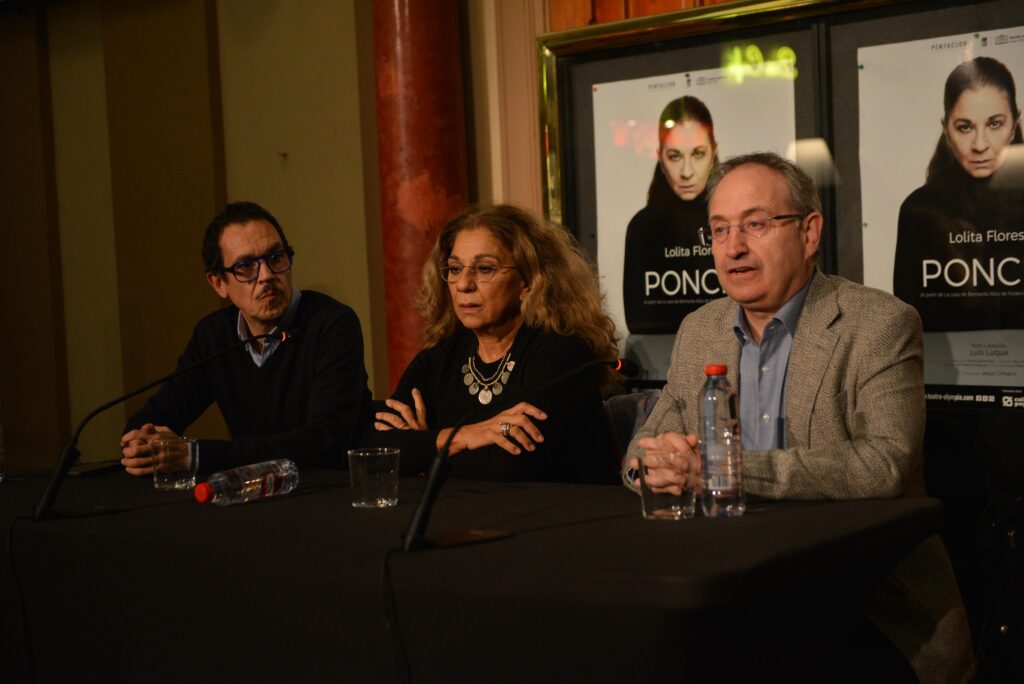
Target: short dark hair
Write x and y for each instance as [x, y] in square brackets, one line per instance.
[978, 73]
[235, 212]
[974, 73]
[802, 194]
[686, 108]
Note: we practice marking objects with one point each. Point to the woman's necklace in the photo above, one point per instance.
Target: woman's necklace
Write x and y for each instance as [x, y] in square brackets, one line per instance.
[485, 389]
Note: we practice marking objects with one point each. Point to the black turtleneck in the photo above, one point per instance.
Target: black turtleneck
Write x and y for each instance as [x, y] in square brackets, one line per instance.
[964, 230]
[663, 262]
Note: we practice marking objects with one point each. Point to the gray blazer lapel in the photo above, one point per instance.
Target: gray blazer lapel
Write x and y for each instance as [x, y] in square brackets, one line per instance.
[813, 346]
[725, 348]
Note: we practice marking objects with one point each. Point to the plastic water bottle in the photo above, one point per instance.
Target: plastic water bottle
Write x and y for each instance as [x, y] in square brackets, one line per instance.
[721, 452]
[246, 483]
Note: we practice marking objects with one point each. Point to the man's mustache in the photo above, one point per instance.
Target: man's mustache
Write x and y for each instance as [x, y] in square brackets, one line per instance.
[269, 289]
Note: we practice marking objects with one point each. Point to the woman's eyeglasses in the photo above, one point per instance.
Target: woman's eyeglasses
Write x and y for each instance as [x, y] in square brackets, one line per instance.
[482, 273]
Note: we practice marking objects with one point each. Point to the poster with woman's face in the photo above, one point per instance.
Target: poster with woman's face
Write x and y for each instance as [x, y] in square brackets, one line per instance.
[656, 141]
[942, 178]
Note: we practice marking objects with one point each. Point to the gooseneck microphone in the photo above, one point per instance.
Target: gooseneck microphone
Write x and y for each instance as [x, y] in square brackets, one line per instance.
[69, 454]
[414, 538]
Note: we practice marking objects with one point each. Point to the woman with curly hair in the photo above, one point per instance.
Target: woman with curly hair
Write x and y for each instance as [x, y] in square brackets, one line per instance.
[509, 303]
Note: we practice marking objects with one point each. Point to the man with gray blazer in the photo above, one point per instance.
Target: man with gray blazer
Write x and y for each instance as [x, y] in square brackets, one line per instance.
[831, 390]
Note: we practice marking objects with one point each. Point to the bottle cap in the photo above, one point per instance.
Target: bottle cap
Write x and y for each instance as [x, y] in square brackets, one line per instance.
[715, 369]
[203, 492]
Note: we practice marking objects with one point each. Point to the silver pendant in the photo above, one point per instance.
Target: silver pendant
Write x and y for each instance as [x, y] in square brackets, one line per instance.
[485, 389]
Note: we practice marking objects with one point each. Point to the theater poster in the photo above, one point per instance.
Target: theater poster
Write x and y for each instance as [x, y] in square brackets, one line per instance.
[942, 178]
[653, 268]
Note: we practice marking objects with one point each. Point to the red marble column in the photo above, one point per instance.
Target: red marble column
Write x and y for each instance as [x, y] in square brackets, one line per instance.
[421, 132]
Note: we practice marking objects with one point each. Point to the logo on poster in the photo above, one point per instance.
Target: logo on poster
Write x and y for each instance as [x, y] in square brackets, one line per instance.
[1007, 39]
[948, 45]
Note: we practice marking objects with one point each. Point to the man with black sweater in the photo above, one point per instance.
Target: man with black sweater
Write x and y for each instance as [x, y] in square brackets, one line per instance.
[305, 399]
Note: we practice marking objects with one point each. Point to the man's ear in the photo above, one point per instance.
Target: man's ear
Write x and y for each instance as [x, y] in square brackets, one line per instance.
[815, 224]
[218, 283]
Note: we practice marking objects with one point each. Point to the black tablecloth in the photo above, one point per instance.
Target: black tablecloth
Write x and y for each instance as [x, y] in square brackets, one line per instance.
[136, 585]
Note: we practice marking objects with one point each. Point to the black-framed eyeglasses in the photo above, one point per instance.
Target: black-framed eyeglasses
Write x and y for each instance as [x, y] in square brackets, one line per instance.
[248, 269]
[756, 226]
[482, 273]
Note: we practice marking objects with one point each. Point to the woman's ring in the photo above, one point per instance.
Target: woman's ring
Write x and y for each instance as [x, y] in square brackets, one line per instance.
[505, 427]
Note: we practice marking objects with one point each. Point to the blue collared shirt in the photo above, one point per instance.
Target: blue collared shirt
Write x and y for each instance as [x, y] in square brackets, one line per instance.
[762, 375]
[269, 346]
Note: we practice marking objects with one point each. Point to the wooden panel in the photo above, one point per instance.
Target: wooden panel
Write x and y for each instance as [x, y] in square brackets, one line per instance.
[380, 382]
[520, 23]
[568, 14]
[609, 10]
[33, 381]
[644, 8]
[82, 156]
[167, 178]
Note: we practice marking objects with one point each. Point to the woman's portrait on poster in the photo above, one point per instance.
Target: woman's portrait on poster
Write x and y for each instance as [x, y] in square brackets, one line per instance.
[960, 240]
[666, 273]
